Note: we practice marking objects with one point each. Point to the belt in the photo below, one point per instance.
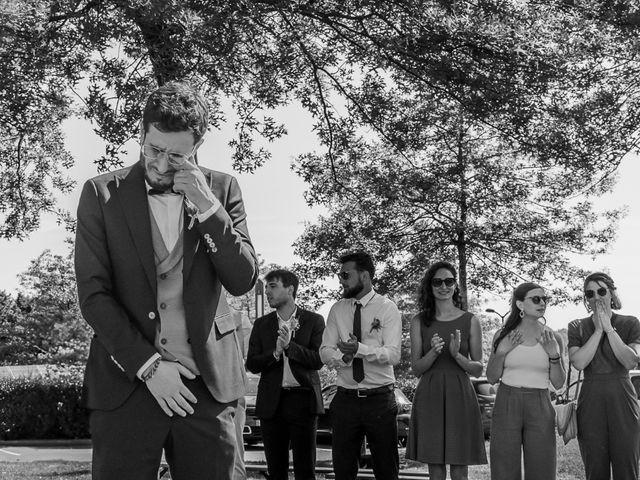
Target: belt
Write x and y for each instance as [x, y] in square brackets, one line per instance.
[296, 389]
[366, 392]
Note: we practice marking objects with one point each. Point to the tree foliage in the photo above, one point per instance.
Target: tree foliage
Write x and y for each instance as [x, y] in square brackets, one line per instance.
[467, 196]
[45, 325]
[516, 67]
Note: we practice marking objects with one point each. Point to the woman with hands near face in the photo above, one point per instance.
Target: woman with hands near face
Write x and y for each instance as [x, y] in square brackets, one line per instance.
[606, 346]
[446, 346]
[526, 357]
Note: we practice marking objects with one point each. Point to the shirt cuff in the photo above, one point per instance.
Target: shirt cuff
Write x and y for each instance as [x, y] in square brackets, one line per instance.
[362, 350]
[209, 211]
[147, 364]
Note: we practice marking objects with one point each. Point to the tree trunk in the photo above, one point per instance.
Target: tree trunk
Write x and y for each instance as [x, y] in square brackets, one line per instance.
[461, 240]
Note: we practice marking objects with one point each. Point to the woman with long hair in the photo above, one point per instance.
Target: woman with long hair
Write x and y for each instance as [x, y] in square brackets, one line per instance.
[526, 357]
[446, 346]
[606, 346]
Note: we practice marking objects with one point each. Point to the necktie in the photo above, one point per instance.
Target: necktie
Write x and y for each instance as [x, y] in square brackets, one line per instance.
[358, 366]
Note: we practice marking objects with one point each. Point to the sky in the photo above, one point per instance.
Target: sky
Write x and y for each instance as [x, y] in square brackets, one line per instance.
[277, 211]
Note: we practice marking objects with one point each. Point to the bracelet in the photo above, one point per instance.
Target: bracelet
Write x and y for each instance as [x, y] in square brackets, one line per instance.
[150, 371]
[554, 359]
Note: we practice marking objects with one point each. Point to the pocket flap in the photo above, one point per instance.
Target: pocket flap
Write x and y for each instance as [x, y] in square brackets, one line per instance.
[225, 323]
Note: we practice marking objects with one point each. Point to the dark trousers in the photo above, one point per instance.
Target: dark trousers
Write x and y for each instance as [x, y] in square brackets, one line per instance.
[354, 417]
[128, 441]
[523, 425]
[294, 425]
[608, 428]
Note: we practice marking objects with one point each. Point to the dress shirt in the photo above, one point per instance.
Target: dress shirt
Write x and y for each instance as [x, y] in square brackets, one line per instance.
[288, 380]
[168, 212]
[379, 347]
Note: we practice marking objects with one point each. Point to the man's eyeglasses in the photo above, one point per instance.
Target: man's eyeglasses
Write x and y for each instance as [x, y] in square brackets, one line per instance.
[437, 282]
[175, 159]
[537, 298]
[602, 291]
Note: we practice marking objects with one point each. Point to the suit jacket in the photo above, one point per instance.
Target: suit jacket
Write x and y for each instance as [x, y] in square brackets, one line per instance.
[302, 353]
[116, 277]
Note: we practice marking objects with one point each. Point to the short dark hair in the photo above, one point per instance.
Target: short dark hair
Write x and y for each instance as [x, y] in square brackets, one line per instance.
[288, 279]
[177, 107]
[362, 259]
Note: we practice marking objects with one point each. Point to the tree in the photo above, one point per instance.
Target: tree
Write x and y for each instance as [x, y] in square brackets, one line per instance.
[514, 66]
[499, 214]
[49, 328]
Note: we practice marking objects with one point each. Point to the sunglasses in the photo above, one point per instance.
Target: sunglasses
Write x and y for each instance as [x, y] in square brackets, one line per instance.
[437, 282]
[344, 275]
[592, 293]
[536, 299]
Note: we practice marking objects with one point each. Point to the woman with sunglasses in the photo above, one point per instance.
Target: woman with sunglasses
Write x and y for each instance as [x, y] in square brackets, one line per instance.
[446, 346]
[606, 346]
[526, 357]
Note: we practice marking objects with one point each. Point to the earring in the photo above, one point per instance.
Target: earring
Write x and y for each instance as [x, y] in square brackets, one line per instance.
[521, 313]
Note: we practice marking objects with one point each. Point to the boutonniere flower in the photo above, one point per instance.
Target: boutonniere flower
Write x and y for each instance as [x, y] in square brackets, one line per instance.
[375, 325]
[192, 211]
[294, 325]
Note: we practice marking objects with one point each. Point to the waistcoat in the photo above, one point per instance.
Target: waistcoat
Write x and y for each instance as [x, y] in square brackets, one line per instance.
[172, 337]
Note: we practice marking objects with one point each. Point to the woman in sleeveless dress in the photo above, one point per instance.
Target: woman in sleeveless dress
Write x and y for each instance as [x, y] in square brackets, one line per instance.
[606, 345]
[446, 346]
[526, 356]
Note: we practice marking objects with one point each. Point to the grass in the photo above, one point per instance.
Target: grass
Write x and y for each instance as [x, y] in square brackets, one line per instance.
[569, 468]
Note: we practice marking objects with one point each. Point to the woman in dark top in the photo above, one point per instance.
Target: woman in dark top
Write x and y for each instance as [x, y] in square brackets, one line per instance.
[606, 346]
[446, 346]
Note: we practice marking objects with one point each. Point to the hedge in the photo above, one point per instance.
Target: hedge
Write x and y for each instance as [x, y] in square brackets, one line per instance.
[43, 407]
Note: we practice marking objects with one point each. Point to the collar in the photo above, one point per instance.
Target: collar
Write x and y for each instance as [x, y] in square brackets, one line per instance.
[366, 299]
[295, 311]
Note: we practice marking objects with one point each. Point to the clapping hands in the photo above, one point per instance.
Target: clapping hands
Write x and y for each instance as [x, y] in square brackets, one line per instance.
[437, 343]
[508, 343]
[549, 343]
[284, 337]
[602, 315]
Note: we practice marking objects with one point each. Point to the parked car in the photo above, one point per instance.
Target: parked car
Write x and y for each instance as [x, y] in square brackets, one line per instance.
[486, 394]
[403, 416]
[252, 432]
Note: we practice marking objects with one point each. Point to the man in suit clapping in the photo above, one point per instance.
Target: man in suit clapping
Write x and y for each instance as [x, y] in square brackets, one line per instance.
[283, 348]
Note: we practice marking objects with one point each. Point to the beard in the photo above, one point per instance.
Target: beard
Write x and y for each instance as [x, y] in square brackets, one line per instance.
[275, 303]
[351, 292]
[154, 179]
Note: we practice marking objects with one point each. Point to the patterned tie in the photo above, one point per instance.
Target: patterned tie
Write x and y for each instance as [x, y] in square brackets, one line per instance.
[358, 367]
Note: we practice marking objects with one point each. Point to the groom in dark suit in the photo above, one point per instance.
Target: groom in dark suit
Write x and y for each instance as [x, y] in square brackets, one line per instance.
[155, 244]
[283, 348]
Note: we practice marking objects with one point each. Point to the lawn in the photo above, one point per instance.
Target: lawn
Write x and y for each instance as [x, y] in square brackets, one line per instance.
[569, 468]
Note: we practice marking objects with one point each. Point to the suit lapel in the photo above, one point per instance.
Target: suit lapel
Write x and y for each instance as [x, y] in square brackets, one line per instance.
[190, 247]
[272, 328]
[132, 194]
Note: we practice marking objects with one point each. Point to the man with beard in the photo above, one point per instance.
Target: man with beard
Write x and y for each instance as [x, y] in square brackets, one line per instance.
[362, 342]
[283, 348]
[155, 244]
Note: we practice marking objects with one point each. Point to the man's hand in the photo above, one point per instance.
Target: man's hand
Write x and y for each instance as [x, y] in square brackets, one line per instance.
[349, 347]
[284, 337]
[167, 388]
[190, 181]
